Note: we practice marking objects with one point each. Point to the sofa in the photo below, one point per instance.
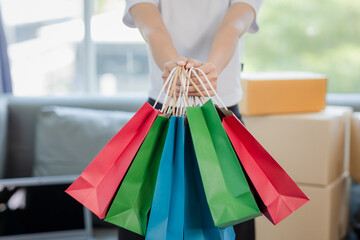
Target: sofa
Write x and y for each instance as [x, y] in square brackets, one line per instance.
[18, 125]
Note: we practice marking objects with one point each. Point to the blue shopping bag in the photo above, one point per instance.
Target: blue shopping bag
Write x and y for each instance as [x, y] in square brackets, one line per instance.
[199, 224]
[166, 221]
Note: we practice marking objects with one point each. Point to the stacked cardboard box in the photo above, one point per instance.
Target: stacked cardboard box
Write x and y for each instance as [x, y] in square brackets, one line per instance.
[282, 92]
[313, 148]
[355, 147]
[324, 217]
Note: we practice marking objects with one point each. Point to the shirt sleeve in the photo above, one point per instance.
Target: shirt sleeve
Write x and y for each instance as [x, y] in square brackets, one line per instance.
[256, 5]
[127, 18]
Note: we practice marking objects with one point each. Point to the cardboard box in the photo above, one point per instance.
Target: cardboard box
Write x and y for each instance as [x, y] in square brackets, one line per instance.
[282, 92]
[313, 148]
[324, 217]
[355, 147]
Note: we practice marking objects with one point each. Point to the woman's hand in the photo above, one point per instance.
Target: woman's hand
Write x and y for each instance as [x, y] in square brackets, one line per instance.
[208, 68]
[170, 65]
[210, 71]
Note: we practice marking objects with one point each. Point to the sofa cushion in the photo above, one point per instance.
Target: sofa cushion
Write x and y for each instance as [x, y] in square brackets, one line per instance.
[22, 118]
[67, 139]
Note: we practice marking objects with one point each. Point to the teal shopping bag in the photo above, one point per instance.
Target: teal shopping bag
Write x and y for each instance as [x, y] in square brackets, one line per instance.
[227, 191]
[198, 220]
[166, 221]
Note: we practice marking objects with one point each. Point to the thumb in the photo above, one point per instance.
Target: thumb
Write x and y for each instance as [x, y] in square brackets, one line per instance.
[181, 61]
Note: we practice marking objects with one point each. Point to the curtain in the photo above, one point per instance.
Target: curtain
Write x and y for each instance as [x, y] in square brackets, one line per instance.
[5, 78]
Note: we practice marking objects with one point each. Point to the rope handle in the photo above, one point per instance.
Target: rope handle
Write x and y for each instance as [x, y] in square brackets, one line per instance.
[169, 92]
[178, 104]
[202, 97]
[168, 80]
[203, 85]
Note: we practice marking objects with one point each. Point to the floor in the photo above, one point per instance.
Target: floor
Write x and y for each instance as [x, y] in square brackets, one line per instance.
[105, 234]
[354, 228]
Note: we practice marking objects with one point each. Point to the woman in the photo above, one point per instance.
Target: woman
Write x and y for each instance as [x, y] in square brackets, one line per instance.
[196, 33]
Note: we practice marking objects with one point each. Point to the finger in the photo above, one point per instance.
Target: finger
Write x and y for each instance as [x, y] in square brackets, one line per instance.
[165, 74]
[208, 68]
[177, 92]
[198, 63]
[178, 88]
[178, 83]
[193, 89]
[211, 78]
[195, 81]
[167, 69]
[181, 61]
[209, 75]
[169, 66]
[204, 94]
[192, 63]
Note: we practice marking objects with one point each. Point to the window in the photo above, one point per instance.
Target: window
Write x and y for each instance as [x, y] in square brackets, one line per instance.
[314, 36]
[45, 38]
[121, 55]
[62, 47]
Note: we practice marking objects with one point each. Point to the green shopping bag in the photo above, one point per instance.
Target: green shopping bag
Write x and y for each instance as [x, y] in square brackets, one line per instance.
[227, 191]
[133, 199]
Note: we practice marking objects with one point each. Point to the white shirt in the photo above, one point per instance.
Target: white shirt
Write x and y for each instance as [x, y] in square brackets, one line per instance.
[192, 25]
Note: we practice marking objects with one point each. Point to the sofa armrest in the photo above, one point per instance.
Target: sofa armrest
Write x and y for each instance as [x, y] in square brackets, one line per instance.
[3, 133]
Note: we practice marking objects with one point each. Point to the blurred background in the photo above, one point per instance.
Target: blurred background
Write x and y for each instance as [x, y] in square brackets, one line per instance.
[74, 46]
[62, 53]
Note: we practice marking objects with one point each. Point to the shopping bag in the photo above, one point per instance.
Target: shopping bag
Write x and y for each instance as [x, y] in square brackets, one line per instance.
[97, 184]
[166, 221]
[227, 191]
[132, 201]
[280, 196]
[198, 220]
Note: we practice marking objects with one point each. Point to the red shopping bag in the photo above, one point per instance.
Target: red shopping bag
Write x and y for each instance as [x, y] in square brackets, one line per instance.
[97, 184]
[279, 194]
